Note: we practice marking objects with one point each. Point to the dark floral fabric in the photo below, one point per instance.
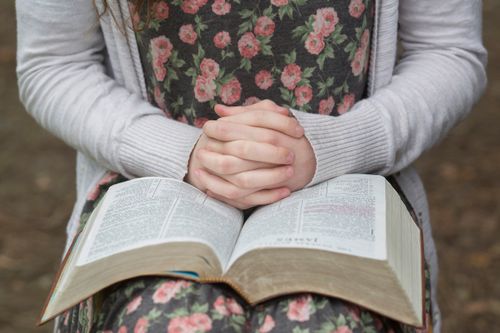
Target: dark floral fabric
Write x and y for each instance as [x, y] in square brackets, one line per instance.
[304, 54]
[308, 55]
[163, 304]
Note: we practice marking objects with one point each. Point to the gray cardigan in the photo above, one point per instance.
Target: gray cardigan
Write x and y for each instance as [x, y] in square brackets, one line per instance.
[81, 78]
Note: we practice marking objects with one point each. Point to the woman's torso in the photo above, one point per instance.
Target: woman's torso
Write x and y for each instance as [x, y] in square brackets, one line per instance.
[308, 55]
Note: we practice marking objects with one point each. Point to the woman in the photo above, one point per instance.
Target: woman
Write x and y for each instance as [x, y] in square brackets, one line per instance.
[121, 97]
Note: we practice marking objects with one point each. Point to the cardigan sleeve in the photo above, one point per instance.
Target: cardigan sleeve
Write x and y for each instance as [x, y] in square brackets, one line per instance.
[438, 78]
[64, 85]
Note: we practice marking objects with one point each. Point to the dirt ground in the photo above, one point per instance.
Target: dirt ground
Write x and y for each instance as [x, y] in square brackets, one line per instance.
[461, 175]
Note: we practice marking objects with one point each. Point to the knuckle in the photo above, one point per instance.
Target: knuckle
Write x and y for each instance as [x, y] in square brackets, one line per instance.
[268, 103]
[271, 139]
[243, 181]
[209, 145]
[244, 149]
[282, 153]
[221, 129]
[224, 165]
[208, 126]
[232, 193]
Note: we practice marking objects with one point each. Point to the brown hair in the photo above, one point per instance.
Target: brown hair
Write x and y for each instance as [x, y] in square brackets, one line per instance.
[137, 5]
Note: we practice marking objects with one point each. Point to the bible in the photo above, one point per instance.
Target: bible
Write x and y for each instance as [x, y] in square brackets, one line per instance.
[350, 237]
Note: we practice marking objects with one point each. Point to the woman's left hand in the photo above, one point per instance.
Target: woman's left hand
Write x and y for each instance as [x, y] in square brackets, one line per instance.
[268, 115]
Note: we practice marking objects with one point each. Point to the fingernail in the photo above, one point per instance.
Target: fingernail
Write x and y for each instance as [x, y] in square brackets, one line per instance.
[289, 158]
[289, 171]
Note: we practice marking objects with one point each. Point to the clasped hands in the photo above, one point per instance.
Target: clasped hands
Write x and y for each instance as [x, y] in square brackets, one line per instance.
[252, 155]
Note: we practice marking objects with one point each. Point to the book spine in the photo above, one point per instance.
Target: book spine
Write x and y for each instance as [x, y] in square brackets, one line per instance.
[234, 286]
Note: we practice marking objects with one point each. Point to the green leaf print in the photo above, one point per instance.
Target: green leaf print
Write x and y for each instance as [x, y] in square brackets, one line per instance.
[199, 25]
[246, 64]
[269, 12]
[198, 56]
[290, 58]
[199, 308]
[154, 314]
[244, 27]
[341, 320]
[246, 13]
[297, 329]
[308, 72]
[326, 327]
[179, 312]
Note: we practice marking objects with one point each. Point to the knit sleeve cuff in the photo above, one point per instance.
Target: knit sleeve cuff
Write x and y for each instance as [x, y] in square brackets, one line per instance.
[154, 145]
[355, 142]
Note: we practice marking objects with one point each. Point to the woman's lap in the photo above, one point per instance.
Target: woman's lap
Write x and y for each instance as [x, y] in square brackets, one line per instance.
[160, 304]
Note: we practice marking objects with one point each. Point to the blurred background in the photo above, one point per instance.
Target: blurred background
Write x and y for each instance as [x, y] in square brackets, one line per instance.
[461, 174]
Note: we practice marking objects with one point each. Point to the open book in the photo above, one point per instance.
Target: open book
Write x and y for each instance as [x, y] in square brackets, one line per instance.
[350, 237]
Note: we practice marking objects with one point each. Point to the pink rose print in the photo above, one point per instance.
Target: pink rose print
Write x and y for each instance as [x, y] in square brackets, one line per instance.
[204, 89]
[360, 62]
[325, 21]
[226, 307]
[134, 304]
[161, 48]
[347, 103]
[291, 75]
[187, 34]
[182, 119]
[141, 326]
[303, 95]
[251, 100]
[357, 63]
[190, 6]
[356, 8]
[279, 3]
[220, 306]
[159, 69]
[122, 329]
[169, 289]
[221, 7]
[159, 98]
[326, 106]
[161, 10]
[200, 121]
[264, 26]
[92, 196]
[201, 322]
[299, 309]
[365, 38]
[343, 329]
[180, 325]
[248, 45]
[234, 307]
[314, 43]
[268, 324]
[209, 68]
[230, 92]
[222, 39]
[264, 79]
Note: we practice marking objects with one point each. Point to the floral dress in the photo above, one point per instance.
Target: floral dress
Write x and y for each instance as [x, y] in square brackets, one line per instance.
[307, 55]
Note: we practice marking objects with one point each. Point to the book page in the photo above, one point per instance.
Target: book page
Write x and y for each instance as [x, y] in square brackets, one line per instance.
[148, 211]
[345, 214]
